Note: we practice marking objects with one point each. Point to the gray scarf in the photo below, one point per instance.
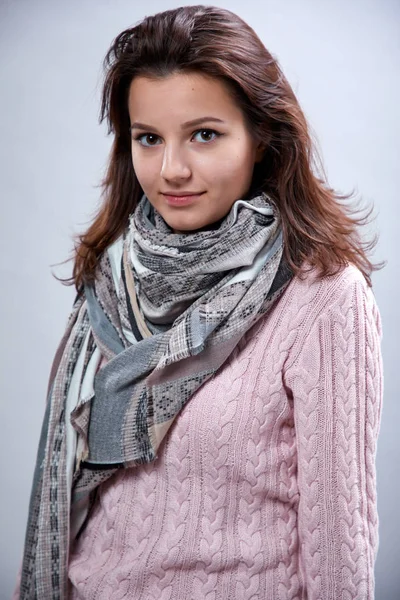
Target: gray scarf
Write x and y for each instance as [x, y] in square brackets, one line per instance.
[164, 314]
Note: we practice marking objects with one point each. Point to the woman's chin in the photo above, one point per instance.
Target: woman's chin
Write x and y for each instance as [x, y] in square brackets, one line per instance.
[194, 227]
[191, 223]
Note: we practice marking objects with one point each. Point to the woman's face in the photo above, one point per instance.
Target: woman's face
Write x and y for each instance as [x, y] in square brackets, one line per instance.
[213, 157]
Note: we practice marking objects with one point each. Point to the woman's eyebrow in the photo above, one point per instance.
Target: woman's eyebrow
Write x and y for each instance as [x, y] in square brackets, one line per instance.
[137, 125]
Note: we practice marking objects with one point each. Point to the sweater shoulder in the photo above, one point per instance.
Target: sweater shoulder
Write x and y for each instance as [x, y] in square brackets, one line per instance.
[328, 290]
[306, 300]
[329, 293]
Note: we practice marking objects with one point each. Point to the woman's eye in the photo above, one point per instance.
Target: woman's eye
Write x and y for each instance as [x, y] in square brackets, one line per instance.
[207, 133]
[146, 135]
[151, 138]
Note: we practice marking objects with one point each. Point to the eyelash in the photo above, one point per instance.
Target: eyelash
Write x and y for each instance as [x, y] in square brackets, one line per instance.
[142, 135]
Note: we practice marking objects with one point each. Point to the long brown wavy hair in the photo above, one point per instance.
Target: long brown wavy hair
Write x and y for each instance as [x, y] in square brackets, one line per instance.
[318, 227]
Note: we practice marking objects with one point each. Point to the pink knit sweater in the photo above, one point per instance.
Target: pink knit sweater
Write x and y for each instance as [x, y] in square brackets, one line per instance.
[265, 486]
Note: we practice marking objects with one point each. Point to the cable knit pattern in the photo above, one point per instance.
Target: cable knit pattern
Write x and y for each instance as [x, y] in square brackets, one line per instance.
[265, 485]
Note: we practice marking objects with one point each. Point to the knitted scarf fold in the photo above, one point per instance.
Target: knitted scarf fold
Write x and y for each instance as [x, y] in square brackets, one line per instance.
[165, 312]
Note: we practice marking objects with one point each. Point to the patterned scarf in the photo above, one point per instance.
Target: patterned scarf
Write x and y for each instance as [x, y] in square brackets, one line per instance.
[165, 312]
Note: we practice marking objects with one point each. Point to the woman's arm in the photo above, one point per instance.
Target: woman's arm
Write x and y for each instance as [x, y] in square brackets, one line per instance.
[337, 385]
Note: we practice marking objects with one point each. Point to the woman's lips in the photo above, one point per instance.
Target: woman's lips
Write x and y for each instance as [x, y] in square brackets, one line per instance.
[181, 200]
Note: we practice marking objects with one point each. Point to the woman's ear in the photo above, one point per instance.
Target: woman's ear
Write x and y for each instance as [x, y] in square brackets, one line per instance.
[260, 152]
[262, 146]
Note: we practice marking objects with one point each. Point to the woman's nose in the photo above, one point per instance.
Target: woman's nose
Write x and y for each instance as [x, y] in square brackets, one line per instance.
[174, 165]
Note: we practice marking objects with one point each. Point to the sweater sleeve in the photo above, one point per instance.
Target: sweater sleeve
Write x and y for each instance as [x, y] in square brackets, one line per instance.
[337, 386]
[16, 592]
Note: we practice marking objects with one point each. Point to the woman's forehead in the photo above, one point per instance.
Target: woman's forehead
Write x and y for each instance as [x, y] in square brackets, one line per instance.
[183, 97]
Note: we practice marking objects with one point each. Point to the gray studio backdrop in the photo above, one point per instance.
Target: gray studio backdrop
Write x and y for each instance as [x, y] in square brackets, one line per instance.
[342, 59]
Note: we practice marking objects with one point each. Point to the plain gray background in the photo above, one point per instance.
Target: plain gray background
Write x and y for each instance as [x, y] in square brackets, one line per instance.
[342, 59]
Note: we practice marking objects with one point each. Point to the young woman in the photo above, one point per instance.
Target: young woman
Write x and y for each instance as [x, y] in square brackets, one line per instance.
[214, 405]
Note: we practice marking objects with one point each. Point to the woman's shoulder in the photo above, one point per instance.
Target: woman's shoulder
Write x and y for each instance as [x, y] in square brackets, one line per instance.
[327, 292]
[309, 298]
